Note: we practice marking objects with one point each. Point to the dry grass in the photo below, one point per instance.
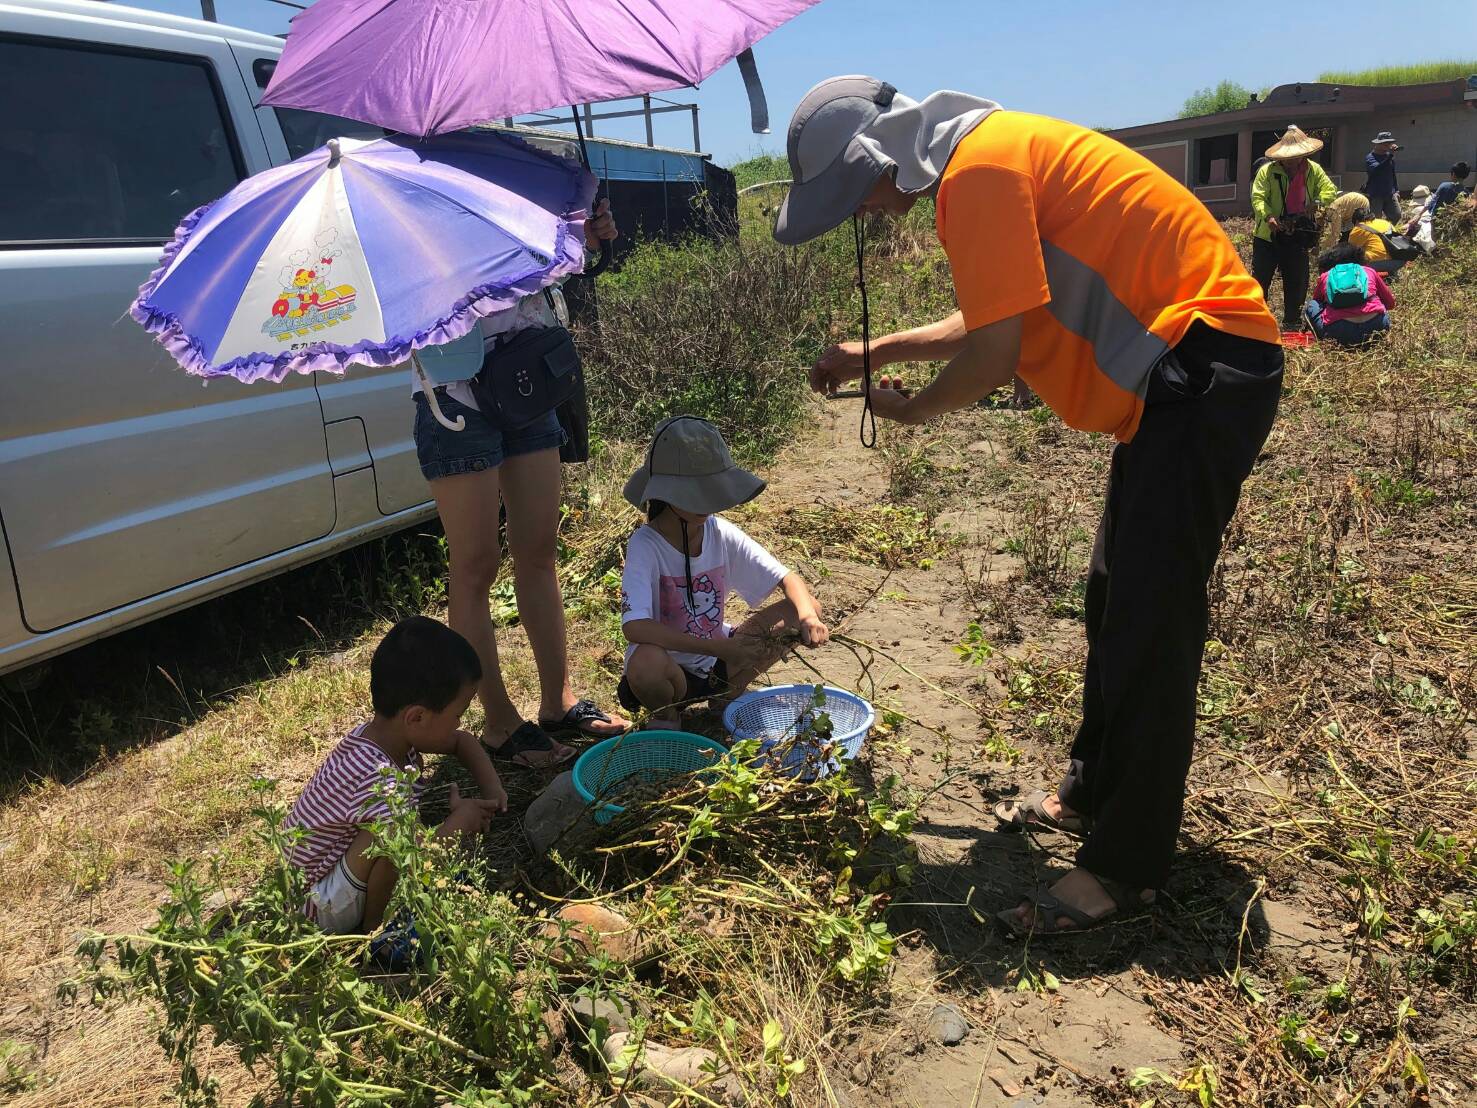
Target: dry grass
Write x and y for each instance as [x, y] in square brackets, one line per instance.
[1335, 769]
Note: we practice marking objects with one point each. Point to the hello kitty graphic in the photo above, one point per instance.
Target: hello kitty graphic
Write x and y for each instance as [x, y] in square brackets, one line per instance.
[702, 618]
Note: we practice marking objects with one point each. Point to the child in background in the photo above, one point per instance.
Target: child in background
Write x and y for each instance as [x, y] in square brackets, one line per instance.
[1350, 301]
[680, 568]
[1447, 192]
[421, 680]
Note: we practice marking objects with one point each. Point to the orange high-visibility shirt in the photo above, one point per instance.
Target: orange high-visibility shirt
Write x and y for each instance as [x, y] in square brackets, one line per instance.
[1108, 258]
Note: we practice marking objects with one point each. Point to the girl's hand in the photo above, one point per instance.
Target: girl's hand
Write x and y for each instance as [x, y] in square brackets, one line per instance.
[740, 652]
[813, 632]
[600, 226]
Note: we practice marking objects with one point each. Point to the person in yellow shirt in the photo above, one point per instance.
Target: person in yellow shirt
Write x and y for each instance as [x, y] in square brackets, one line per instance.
[1116, 296]
[1367, 234]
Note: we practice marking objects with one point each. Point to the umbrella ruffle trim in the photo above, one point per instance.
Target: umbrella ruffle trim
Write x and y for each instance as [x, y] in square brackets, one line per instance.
[328, 357]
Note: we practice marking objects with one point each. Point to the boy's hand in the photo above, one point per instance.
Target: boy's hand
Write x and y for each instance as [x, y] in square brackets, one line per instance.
[813, 632]
[498, 798]
[470, 814]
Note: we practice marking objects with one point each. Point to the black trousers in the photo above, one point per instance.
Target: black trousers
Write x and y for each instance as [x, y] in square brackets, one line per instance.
[1281, 253]
[1171, 492]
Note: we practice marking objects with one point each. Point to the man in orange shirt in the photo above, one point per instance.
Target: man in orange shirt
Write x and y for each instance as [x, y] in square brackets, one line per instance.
[1116, 296]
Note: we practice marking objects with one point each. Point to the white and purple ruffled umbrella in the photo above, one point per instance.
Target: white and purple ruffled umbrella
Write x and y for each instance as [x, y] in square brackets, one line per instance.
[362, 252]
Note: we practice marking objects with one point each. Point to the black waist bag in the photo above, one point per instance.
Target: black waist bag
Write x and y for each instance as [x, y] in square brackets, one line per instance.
[528, 375]
[1397, 246]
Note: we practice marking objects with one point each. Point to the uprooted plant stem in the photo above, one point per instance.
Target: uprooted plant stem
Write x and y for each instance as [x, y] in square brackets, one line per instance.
[751, 894]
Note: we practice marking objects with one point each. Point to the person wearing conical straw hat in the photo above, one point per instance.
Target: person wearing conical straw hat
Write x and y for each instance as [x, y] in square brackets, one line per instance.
[1285, 194]
[1102, 282]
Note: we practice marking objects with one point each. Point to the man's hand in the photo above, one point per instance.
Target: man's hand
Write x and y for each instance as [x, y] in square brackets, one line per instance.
[889, 402]
[600, 226]
[839, 364]
[1273, 223]
[813, 632]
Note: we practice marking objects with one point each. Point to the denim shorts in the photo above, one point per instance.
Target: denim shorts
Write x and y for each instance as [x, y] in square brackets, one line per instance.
[483, 444]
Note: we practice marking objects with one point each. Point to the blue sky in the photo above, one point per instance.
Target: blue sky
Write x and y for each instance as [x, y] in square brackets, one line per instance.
[1099, 64]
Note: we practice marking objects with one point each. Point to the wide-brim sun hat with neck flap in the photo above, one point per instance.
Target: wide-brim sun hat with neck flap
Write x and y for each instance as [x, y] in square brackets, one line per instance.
[689, 467]
[849, 131]
[1294, 143]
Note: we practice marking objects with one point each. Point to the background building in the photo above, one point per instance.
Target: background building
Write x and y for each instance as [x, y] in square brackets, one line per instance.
[1215, 155]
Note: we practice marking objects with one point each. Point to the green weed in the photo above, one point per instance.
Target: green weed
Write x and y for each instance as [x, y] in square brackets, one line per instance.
[1414, 73]
[974, 648]
[16, 1075]
[467, 1025]
[1400, 493]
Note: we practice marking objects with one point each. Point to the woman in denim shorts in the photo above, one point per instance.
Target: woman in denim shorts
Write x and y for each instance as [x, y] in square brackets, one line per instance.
[470, 472]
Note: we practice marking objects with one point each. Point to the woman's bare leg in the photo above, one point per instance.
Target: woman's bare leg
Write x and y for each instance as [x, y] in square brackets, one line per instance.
[531, 490]
[468, 506]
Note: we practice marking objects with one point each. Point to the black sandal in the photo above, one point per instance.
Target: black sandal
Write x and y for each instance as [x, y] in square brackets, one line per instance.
[1029, 813]
[1046, 909]
[579, 717]
[528, 738]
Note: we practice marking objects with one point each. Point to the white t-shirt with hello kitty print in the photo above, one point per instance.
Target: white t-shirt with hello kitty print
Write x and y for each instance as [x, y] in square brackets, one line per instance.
[654, 584]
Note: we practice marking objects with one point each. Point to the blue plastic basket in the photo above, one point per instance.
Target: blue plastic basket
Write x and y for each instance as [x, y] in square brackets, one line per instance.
[646, 756]
[782, 717]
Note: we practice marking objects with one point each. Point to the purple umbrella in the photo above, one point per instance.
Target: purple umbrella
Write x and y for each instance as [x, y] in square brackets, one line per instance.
[424, 67]
[364, 252]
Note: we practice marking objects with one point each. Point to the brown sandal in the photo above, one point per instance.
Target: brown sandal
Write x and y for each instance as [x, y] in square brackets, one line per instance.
[1029, 813]
[1047, 909]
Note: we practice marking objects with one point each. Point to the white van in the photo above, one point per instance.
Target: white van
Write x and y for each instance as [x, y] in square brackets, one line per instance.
[127, 488]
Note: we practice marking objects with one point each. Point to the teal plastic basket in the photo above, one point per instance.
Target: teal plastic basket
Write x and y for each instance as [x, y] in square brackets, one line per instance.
[607, 767]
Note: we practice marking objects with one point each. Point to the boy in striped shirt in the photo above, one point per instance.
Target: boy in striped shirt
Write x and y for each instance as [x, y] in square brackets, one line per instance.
[421, 680]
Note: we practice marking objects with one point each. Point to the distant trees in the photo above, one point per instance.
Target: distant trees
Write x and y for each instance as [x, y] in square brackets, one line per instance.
[1228, 96]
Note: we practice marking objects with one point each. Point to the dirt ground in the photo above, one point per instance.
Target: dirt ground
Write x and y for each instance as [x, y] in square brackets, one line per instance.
[1052, 1046]
[954, 578]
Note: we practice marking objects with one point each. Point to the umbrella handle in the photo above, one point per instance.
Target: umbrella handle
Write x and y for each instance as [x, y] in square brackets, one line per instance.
[460, 423]
[606, 253]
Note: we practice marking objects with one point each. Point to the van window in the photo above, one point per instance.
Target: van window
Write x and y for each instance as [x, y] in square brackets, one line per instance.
[102, 147]
[304, 131]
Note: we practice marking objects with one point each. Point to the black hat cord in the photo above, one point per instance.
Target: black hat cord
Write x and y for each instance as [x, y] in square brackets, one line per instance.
[687, 565]
[868, 429]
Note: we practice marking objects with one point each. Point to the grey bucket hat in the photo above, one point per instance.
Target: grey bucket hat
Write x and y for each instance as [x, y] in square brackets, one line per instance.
[688, 466]
[830, 174]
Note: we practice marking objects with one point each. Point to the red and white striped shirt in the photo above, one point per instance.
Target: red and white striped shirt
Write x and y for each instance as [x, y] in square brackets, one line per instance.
[339, 799]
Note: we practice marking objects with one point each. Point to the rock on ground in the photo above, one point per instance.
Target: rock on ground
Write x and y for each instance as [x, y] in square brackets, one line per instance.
[594, 927]
[947, 1025]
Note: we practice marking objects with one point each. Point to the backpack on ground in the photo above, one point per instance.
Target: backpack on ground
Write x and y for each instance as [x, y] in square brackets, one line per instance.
[1348, 286]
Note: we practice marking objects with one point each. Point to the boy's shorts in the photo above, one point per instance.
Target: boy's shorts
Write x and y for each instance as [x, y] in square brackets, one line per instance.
[338, 899]
[700, 686]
